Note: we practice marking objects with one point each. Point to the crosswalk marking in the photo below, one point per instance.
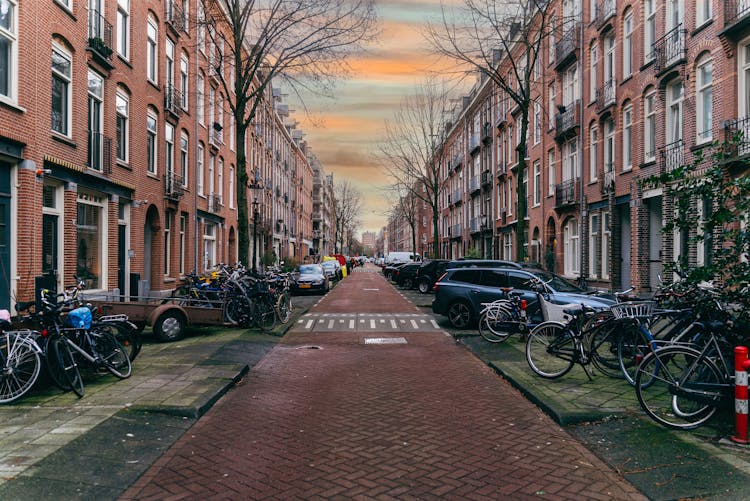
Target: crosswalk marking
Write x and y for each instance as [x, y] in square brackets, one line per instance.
[367, 322]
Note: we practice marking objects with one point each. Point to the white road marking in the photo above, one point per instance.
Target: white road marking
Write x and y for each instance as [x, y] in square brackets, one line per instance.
[309, 324]
[414, 324]
[351, 324]
[372, 324]
[393, 324]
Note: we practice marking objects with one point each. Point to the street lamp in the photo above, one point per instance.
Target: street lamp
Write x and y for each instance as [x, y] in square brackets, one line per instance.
[255, 233]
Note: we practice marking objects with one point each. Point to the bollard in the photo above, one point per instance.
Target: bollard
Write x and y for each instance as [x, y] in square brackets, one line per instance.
[741, 366]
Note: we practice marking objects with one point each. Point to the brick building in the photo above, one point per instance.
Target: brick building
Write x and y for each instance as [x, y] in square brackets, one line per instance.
[116, 138]
[622, 90]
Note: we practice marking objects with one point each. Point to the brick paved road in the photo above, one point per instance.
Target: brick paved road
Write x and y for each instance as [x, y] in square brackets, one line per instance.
[328, 415]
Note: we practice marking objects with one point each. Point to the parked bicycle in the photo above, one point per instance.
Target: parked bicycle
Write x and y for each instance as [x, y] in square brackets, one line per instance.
[20, 360]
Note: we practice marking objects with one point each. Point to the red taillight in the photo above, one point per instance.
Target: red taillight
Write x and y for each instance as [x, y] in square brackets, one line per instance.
[523, 304]
[44, 333]
[436, 287]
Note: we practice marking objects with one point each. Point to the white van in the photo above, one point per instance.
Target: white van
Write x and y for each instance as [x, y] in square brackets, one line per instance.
[402, 257]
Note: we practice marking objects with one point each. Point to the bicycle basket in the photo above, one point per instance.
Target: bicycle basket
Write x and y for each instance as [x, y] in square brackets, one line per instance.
[80, 318]
[633, 310]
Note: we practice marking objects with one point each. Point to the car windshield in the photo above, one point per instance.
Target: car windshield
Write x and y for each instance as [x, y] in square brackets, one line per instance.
[309, 268]
[557, 283]
[328, 264]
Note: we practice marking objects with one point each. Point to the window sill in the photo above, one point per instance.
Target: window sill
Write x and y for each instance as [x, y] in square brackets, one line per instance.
[63, 139]
[625, 170]
[152, 175]
[593, 181]
[12, 105]
[124, 165]
[124, 60]
[169, 280]
[703, 144]
[153, 84]
[702, 27]
[646, 64]
[648, 163]
[66, 9]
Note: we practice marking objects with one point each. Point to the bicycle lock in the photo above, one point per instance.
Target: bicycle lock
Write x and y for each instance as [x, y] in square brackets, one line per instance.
[741, 367]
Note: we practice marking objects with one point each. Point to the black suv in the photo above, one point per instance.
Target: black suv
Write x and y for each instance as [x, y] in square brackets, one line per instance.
[429, 272]
[405, 276]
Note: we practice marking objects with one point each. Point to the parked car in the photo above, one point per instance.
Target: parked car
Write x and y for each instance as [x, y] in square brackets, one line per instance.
[459, 293]
[406, 275]
[389, 269]
[489, 263]
[399, 257]
[310, 278]
[429, 272]
[332, 269]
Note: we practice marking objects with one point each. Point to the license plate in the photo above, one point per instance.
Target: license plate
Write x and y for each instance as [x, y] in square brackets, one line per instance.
[304, 286]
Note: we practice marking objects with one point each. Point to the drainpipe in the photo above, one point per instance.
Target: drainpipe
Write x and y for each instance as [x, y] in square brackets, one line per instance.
[582, 208]
[195, 152]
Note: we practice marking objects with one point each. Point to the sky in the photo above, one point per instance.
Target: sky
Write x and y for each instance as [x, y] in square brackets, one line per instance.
[344, 133]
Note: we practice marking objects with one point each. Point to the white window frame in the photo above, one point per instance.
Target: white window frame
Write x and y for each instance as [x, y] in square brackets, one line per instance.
[609, 145]
[169, 51]
[649, 30]
[184, 157]
[97, 200]
[593, 152]
[10, 34]
[627, 138]
[610, 60]
[570, 160]
[152, 51]
[627, 44]
[122, 109]
[551, 172]
[537, 183]
[123, 29]
[231, 186]
[68, 80]
[183, 243]
[199, 169]
[571, 248]
[220, 179]
[606, 242]
[184, 81]
[649, 126]
[703, 12]
[152, 143]
[675, 119]
[168, 216]
[593, 71]
[201, 106]
[593, 235]
[209, 245]
[537, 122]
[704, 101]
[551, 96]
[169, 151]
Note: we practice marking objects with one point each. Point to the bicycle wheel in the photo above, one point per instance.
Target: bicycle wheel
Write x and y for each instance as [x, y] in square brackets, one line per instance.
[632, 348]
[62, 366]
[128, 337]
[550, 350]
[20, 369]
[284, 307]
[684, 389]
[265, 314]
[603, 341]
[236, 309]
[110, 353]
[493, 324]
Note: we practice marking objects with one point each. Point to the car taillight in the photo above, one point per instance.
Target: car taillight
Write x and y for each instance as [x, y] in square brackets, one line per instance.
[523, 304]
[436, 286]
[44, 333]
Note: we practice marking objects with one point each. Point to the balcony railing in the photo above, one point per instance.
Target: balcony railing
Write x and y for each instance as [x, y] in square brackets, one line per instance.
[604, 11]
[672, 156]
[175, 17]
[606, 95]
[670, 49]
[174, 186]
[100, 152]
[455, 231]
[736, 11]
[474, 143]
[486, 178]
[502, 169]
[475, 224]
[567, 121]
[215, 138]
[214, 203]
[100, 35]
[487, 132]
[456, 197]
[566, 48]
[608, 180]
[172, 100]
[737, 137]
[566, 193]
[474, 184]
[456, 161]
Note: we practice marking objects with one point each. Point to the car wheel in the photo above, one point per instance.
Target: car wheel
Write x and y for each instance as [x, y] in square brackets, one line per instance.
[424, 286]
[459, 315]
[408, 283]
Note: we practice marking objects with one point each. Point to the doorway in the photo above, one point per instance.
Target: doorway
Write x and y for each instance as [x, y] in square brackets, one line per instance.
[625, 247]
[655, 240]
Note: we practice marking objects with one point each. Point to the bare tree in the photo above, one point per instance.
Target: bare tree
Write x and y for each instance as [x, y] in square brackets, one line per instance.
[413, 151]
[482, 33]
[347, 208]
[252, 43]
[406, 209]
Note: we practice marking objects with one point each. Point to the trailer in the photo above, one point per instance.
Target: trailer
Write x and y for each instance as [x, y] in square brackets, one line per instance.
[169, 317]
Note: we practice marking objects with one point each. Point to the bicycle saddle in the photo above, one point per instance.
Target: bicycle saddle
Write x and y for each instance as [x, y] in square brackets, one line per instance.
[24, 305]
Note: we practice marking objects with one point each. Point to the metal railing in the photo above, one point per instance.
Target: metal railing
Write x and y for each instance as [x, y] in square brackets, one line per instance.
[174, 185]
[604, 11]
[474, 142]
[172, 100]
[567, 45]
[475, 224]
[737, 137]
[735, 10]
[474, 184]
[486, 178]
[100, 152]
[175, 16]
[670, 48]
[214, 203]
[100, 34]
[215, 138]
[672, 156]
[608, 180]
[567, 120]
[455, 231]
[606, 95]
[456, 196]
[566, 192]
[456, 161]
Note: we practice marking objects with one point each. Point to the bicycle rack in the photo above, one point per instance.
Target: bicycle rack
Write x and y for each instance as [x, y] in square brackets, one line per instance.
[741, 368]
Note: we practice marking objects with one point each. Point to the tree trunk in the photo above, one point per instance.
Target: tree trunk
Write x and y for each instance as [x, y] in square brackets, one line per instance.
[521, 188]
[243, 238]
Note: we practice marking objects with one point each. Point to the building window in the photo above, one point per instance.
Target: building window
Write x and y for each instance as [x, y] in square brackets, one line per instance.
[703, 12]
[508, 246]
[183, 242]
[52, 206]
[704, 99]
[201, 27]
[609, 60]
[199, 168]
[201, 90]
[96, 109]
[220, 179]
[152, 58]
[743, 80]
[122, 105]
[184, 158]
[609, 145]
[627, 137]
[211, 179]
[9, 51]
[169, 70]
[593, 236]
[594, 71]
[649, 126]
[627, 44]
[551, 105]
[552, 27]
[606, 233]
[537, 123]
[90, 239]
[61, 93]
[570, 86]
[675, 99]
[537, 183]
[151, 148]
[550, 173]
[184, 79]
[231, 186]
[209, 246]
[211, 106]
[123, 28]
[571, 248]
[570, 161]
[169, 155]
[593, 152]
[167, 242]
[649, 30]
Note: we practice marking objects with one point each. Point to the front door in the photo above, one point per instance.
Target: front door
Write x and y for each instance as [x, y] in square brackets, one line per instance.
[654, 241]
[625, 245]
[4, 248]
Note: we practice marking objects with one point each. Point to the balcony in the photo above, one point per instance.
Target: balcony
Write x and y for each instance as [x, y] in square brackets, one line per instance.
[455, 231]
[565, 49]
[474, 185]
[214, 203]
[215, 138]
[605, 11]
[172, 101]
[456, 197]
[474, 143]
[317, 216]
[670, 50]
[175, 17]
[567, 121]
[737, 138]
[475, 224]
[173, 186]
[456, 161]
[100, 152]
[486, 178]
[606, 95]
[502, 169]
[736, 18]
[100, 39]
[671, 156]
[566, 193]
[608, 180]
[487, 133]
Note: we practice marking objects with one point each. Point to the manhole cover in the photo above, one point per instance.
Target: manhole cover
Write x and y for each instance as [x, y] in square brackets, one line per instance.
[385, 340]
[308, 348]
